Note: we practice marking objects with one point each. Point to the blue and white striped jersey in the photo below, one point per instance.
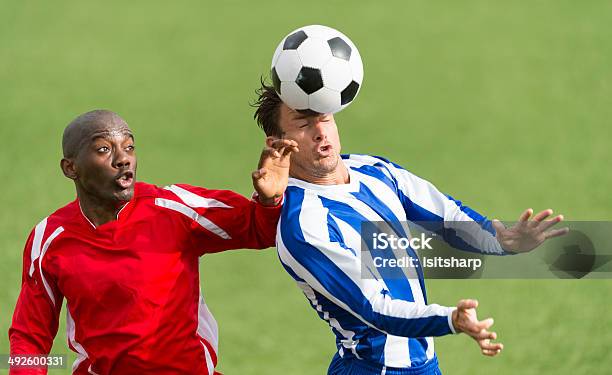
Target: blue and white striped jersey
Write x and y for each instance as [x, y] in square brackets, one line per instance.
[383, 320]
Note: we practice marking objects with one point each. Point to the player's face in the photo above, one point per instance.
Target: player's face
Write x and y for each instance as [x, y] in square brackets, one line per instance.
[318, 140]
[106, 164]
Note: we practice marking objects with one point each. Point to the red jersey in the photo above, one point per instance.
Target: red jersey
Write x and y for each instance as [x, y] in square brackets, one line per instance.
[132, 285]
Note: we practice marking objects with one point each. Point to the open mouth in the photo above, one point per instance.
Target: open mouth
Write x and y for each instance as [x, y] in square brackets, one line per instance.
[125, 179]
[325, 150]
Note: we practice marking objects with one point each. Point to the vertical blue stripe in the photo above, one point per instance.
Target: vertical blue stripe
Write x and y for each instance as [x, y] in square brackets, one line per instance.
[336, 282]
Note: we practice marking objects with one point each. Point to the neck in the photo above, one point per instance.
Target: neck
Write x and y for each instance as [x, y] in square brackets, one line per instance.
[98, 211]
[338, 176]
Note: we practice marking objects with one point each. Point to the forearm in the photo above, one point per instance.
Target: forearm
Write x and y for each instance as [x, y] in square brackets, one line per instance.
[27, 340]
[263, 223]
[410, 319]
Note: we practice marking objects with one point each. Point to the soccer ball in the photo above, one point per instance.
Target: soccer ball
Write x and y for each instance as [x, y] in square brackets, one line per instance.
[317, 68]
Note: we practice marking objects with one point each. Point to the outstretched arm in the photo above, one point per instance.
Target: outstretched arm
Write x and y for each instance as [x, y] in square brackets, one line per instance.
[464, 228]
[223, 220]
[461, 227]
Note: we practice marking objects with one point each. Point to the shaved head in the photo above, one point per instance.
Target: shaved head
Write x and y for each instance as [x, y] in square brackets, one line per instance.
[99, 157]
[82, 128]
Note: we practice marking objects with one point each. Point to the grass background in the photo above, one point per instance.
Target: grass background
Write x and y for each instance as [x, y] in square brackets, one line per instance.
[503, 104]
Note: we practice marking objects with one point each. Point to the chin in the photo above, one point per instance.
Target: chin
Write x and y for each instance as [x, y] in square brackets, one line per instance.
[125, 195]
[329, 164]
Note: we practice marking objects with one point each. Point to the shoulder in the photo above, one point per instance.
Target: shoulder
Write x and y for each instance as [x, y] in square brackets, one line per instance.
[364, 159]
[58, 220]
[47, 230]
[370, 162]
[293, 203]
[357, 161]
[145, 190]
[303, 216]
[376, 167]
[302, 208]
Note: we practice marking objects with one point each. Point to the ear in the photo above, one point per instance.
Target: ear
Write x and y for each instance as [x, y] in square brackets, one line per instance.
[68, 168]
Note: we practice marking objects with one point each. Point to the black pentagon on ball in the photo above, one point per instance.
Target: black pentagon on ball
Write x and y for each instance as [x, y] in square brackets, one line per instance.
[294, 40]
[276, 81]
[309, 80]
[340, 48]
[348, 94]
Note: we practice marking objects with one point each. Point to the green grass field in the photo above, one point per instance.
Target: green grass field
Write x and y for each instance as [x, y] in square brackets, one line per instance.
[503, 104]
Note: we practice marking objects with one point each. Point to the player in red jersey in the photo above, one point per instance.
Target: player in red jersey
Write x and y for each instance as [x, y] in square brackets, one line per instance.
[124, 255]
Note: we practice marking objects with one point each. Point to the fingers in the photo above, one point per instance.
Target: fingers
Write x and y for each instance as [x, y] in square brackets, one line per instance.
[486, 324]
[556, 232]
[490, 346]
[479, 330]
[277, 152]
[544, 225]
[284, 146]
[525, 215]
[543, 215]
[465, 304]
[498, 226]
[283, 149]
[284, 142]
[260, 173]
[491, 353]
[270, 152]
[490, 349]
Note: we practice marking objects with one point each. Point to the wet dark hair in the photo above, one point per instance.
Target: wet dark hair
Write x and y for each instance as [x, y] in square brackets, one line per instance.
[267, 110]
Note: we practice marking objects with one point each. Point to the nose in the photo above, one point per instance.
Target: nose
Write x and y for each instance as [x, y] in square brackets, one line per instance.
[121, 159]
[320, 132]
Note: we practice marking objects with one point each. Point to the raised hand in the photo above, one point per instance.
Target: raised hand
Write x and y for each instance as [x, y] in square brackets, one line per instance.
[270, 178]
[527, 234]
[466, 321]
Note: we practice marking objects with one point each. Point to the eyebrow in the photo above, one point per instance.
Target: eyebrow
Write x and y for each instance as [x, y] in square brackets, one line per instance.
[301, 117]
[106, 134]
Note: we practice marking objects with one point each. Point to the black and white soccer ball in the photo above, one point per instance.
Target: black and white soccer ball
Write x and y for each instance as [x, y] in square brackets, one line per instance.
[317, 68]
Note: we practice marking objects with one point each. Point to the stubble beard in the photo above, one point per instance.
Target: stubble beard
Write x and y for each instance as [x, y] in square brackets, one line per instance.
[319, 168]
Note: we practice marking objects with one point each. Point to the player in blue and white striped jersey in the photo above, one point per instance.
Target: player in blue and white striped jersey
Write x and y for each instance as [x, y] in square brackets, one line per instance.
[383, 324]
